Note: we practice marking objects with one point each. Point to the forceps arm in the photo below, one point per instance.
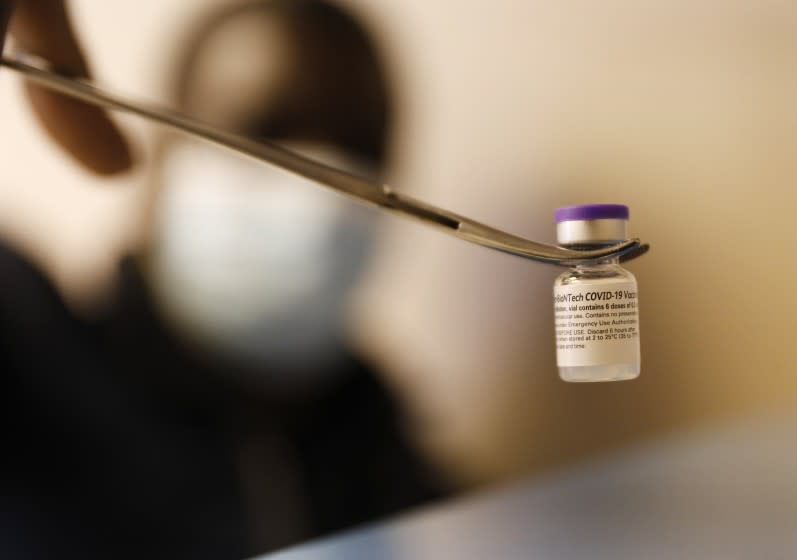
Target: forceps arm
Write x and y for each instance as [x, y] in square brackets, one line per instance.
[353, 186]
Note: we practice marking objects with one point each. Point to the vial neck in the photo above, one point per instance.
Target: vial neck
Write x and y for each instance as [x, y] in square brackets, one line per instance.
[614, 261]
[611, 261]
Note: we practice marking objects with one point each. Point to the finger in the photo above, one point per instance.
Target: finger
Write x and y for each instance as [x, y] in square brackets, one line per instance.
[42, 27]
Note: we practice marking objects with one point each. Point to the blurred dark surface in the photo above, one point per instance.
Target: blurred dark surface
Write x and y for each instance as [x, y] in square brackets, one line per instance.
[120, 442]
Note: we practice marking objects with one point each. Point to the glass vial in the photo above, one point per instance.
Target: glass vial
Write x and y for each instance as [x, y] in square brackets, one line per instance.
[595, 305]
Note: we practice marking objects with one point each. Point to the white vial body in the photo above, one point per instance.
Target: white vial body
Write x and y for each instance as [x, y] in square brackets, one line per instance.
[596, 315]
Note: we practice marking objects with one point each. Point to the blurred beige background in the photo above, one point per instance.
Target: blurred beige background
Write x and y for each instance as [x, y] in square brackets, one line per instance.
[684, 110]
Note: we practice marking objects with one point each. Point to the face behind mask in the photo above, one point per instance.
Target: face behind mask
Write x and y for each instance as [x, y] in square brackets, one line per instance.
[253, 261]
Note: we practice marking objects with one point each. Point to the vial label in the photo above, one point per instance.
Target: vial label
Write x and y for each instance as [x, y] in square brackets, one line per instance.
[596, 324]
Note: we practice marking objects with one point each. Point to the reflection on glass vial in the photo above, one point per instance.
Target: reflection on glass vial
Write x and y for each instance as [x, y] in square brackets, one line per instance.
[595, 305]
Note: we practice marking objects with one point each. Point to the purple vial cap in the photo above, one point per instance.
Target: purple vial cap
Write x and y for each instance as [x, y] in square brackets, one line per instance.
[592, 212]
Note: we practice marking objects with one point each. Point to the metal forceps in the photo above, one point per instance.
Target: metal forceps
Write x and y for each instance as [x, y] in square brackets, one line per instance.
[38, 71]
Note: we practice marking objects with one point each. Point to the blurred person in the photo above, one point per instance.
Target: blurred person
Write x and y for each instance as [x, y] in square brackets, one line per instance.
[125, 437]
[246, 258]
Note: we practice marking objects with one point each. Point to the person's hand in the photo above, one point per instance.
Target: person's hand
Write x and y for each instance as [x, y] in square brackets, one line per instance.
[42, 27]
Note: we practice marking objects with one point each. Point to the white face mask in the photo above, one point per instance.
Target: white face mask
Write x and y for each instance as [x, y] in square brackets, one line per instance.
[253, 260]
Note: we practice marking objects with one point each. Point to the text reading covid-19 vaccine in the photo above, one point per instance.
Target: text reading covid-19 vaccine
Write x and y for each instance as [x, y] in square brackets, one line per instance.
[595, 305]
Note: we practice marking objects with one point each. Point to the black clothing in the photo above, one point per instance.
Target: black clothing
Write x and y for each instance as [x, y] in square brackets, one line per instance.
[118, 441]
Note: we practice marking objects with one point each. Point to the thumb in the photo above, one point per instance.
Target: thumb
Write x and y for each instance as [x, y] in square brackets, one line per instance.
[42, 27]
